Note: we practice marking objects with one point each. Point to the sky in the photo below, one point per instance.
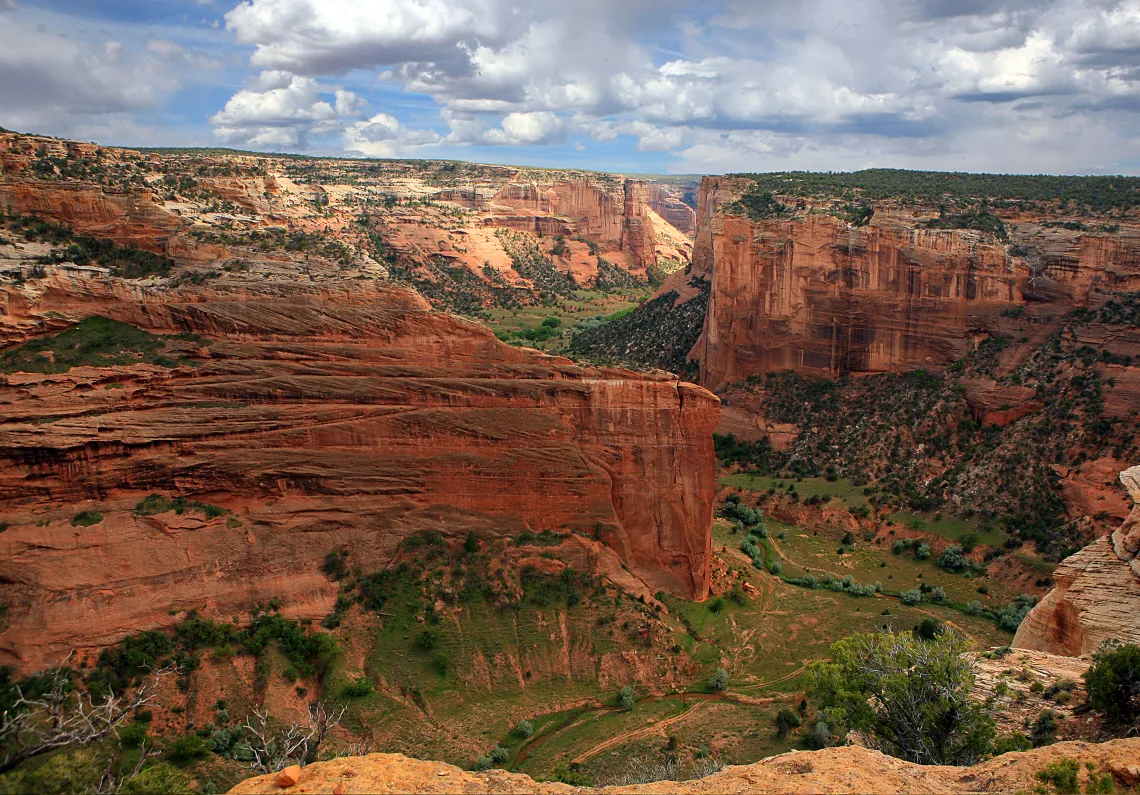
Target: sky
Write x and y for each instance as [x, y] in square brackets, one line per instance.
[639, 86]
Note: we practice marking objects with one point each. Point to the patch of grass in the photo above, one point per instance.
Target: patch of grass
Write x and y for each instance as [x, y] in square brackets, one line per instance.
[87, 519]
[156, 503]
[94, 341]
[841, 489]
[952, 528]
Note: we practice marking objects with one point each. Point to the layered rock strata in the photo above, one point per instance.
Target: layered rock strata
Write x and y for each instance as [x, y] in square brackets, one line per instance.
[321, 421]
[818, 295]
[1096, 594]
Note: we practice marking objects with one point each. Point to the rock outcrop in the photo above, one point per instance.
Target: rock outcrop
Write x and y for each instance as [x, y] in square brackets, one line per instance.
[670, 207]
[1096, 594]
[341, 419]
[818, 295]
[833, 770]
[619, 220]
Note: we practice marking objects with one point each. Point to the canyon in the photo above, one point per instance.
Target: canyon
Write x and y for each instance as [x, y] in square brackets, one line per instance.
[345, 419]
[824, 297]
[246, 394]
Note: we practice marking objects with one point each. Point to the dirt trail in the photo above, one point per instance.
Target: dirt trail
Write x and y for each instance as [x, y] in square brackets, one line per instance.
[638, 734]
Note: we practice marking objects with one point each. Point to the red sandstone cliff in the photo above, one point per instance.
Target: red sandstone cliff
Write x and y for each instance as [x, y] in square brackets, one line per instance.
[342, 419]
[670, 207]
[1096, 594]
[823, 297]
[609, 218]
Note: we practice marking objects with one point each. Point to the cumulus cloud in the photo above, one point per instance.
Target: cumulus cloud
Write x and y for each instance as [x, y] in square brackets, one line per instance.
[727, 85]
[384, 135]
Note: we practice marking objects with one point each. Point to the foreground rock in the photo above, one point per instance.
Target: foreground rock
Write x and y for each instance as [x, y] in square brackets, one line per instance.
[1097, 592]
[323, 421]
[833, 770]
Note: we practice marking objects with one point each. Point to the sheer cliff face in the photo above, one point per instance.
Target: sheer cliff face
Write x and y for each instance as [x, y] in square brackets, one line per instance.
[617, 219]
[338, 420]
[824, 298]
[1096, 594]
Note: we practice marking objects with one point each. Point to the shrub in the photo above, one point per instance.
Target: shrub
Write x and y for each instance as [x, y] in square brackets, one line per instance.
[716, 605]
[818, 736]
[974, 608]
[953, 559]
[718, 681]
[428, 639]
[1010, 616]
[188, 748]
[499, 754]
[1113, 682]
[775, 567]
[937, 594]
[625, 698]
[1062, 774]
[1044, 730]
[358, 687]
[1012, 742]
[87, 519]
[911, 597]
[334, 566]
[923, 552]
[524, 729]
[930, 628]
[132, 735]
[482, 763]
[912, 696]
[786, 720]
[158, 779]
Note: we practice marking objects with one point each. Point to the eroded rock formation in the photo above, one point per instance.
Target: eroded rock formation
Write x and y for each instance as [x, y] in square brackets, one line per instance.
[824, 297]
[1096, 594]
[833, 770]
[347, 418]
[616, 219]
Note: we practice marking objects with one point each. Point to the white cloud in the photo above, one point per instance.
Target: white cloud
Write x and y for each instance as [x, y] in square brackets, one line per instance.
[827, 81]
[383, 135]
[277, 109]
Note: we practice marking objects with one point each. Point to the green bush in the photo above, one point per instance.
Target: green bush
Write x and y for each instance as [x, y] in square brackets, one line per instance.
[158, 779]
[953, 559]
[1044, 730]
[358, 687]
[718, 682]
[1012, 742]
[1062, 775]
[911, 597]
[188, 748]
[625, 698]
[524, 729]
[1113, 683]
[786, 720]
[912, 696]
[87, 519]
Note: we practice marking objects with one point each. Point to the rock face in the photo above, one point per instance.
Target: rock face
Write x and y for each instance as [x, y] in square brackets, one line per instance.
[344, 419]
[1097, 592]
[620, 220]
[820, 296]
[670, 207]
[833, 770]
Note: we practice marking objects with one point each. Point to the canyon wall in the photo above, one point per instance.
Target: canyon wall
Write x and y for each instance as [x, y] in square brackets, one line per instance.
[321, 420]
[1096, 593]
[670, 207]
[618, 220]
[818, 295]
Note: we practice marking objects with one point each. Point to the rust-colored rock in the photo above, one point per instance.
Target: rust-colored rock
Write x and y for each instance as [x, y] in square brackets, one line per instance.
[851, 769]
[1096, 595]
[288, 777]
[820, 296]
[347, 418]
